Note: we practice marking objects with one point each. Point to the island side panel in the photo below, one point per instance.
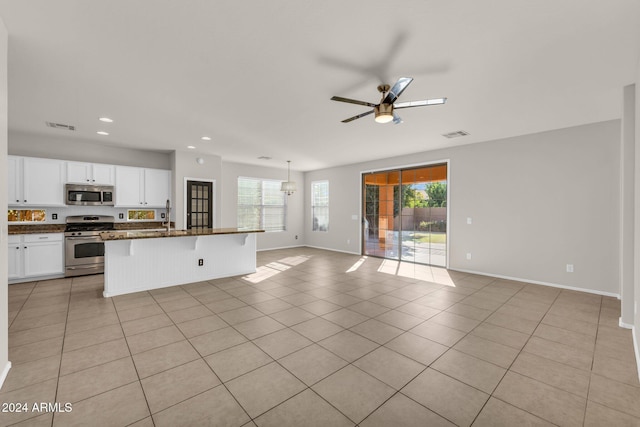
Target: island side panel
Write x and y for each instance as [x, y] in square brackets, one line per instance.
[144, 264]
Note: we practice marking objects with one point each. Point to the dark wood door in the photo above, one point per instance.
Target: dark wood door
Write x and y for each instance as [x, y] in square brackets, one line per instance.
[199, 204]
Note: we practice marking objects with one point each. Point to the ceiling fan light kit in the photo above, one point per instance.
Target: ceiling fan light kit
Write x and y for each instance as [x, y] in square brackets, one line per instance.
[384, 111]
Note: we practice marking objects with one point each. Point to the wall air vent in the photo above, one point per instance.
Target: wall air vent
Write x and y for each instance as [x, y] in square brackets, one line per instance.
[60, 126]
[455, 134]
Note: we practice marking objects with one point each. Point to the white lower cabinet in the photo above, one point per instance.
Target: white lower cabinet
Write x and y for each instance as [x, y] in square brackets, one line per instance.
[16, 262]
[34, 255]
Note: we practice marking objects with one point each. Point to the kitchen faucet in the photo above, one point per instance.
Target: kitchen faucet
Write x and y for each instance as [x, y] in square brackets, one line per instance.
[167, 216]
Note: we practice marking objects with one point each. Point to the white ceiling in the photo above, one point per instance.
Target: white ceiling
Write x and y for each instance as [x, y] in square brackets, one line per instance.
[256, 76]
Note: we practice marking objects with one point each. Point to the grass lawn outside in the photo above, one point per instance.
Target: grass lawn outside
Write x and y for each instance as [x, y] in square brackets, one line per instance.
[422, 237]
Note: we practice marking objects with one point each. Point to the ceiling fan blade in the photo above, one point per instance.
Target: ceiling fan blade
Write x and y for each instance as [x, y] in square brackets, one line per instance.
[396, 90]
[424, 103]
[350, 119]
[397, 119]
[352, 101]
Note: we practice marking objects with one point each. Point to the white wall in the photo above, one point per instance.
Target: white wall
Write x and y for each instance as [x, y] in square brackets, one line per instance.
[538, 202]
[64, 148]
[184, 165]
[4, 292]
[295, 203]
[627, 166]
[636, 323]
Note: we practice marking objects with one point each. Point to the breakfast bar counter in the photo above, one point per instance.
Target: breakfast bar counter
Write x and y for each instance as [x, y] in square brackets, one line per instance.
[151, 259]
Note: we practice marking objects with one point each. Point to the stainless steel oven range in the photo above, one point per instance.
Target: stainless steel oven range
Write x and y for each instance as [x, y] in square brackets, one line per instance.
[84, 249]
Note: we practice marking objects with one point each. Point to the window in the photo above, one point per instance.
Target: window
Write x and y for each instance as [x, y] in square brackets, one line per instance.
[320, 205]
[261, 204]
[141, 215]
[26, 215]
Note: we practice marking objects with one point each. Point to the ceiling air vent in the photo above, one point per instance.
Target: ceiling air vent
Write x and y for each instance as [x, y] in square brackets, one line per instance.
[455, 134]
[264, 158]
[60, 126]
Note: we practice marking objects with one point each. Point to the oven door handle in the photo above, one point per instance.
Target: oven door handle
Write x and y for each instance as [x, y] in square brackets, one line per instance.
[85, 238]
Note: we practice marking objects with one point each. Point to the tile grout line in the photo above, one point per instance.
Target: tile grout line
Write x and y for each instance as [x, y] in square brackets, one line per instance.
[508, 369]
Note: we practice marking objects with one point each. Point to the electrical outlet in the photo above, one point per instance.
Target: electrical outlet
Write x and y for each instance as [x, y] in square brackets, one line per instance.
[54, 216]
[348, 241]
[468, 255]
[469, 220]
[569, 268]
[296, 237]
[162, 215]
[201, 262]
[120, 216]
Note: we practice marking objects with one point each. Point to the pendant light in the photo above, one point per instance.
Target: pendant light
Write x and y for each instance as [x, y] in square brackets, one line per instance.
[288, 186]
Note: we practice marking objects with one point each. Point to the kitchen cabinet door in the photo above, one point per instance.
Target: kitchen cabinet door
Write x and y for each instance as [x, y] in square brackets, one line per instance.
[14, 179]
[15, 261]
[157, 184]
[42, 259]
[90, 173]
[102, 174]
[78, 173]
[129, 186]
[43, 182]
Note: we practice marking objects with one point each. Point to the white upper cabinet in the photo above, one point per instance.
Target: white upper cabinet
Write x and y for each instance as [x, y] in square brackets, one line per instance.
[35, 182]
[40, 182]
[157, 187]
[90, 173]
[140, 187]
[14, 179]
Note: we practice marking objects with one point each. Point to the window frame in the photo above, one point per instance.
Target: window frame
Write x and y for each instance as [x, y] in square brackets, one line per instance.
[314, 205]
[263, 207]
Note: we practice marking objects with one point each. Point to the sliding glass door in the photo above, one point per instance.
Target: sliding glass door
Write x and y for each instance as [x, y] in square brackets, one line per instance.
[405, 214]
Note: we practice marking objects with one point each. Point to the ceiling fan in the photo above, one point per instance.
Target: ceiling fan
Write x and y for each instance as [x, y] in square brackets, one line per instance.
[385, 110]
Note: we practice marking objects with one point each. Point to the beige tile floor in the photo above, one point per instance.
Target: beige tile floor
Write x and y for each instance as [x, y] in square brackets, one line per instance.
[317, 338]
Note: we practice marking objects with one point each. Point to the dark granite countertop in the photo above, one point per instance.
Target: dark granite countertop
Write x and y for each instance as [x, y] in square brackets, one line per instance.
[133, 234]
[59, 228]
[34, 229]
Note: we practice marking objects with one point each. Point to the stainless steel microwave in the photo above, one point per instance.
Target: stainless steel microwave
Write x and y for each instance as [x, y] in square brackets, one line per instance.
[89, 195]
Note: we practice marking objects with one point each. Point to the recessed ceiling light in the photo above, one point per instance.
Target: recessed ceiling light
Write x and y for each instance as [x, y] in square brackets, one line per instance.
[105, 119]
[190, 147]
[205, 138]
[100, 132]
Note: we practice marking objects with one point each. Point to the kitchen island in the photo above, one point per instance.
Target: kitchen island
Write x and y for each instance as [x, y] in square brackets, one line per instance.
[144, 260]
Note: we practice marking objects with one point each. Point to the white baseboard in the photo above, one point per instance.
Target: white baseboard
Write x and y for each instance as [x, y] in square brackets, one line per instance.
[537, 282]
[624, 325]
[636, 349]
[5, 372]
[280, 247]
[334, 250]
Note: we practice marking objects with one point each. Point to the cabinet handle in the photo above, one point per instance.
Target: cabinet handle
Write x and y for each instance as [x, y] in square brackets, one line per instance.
[26, 247]
[87, 180]
[25, 201]
[17, 247]
[17, 201]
